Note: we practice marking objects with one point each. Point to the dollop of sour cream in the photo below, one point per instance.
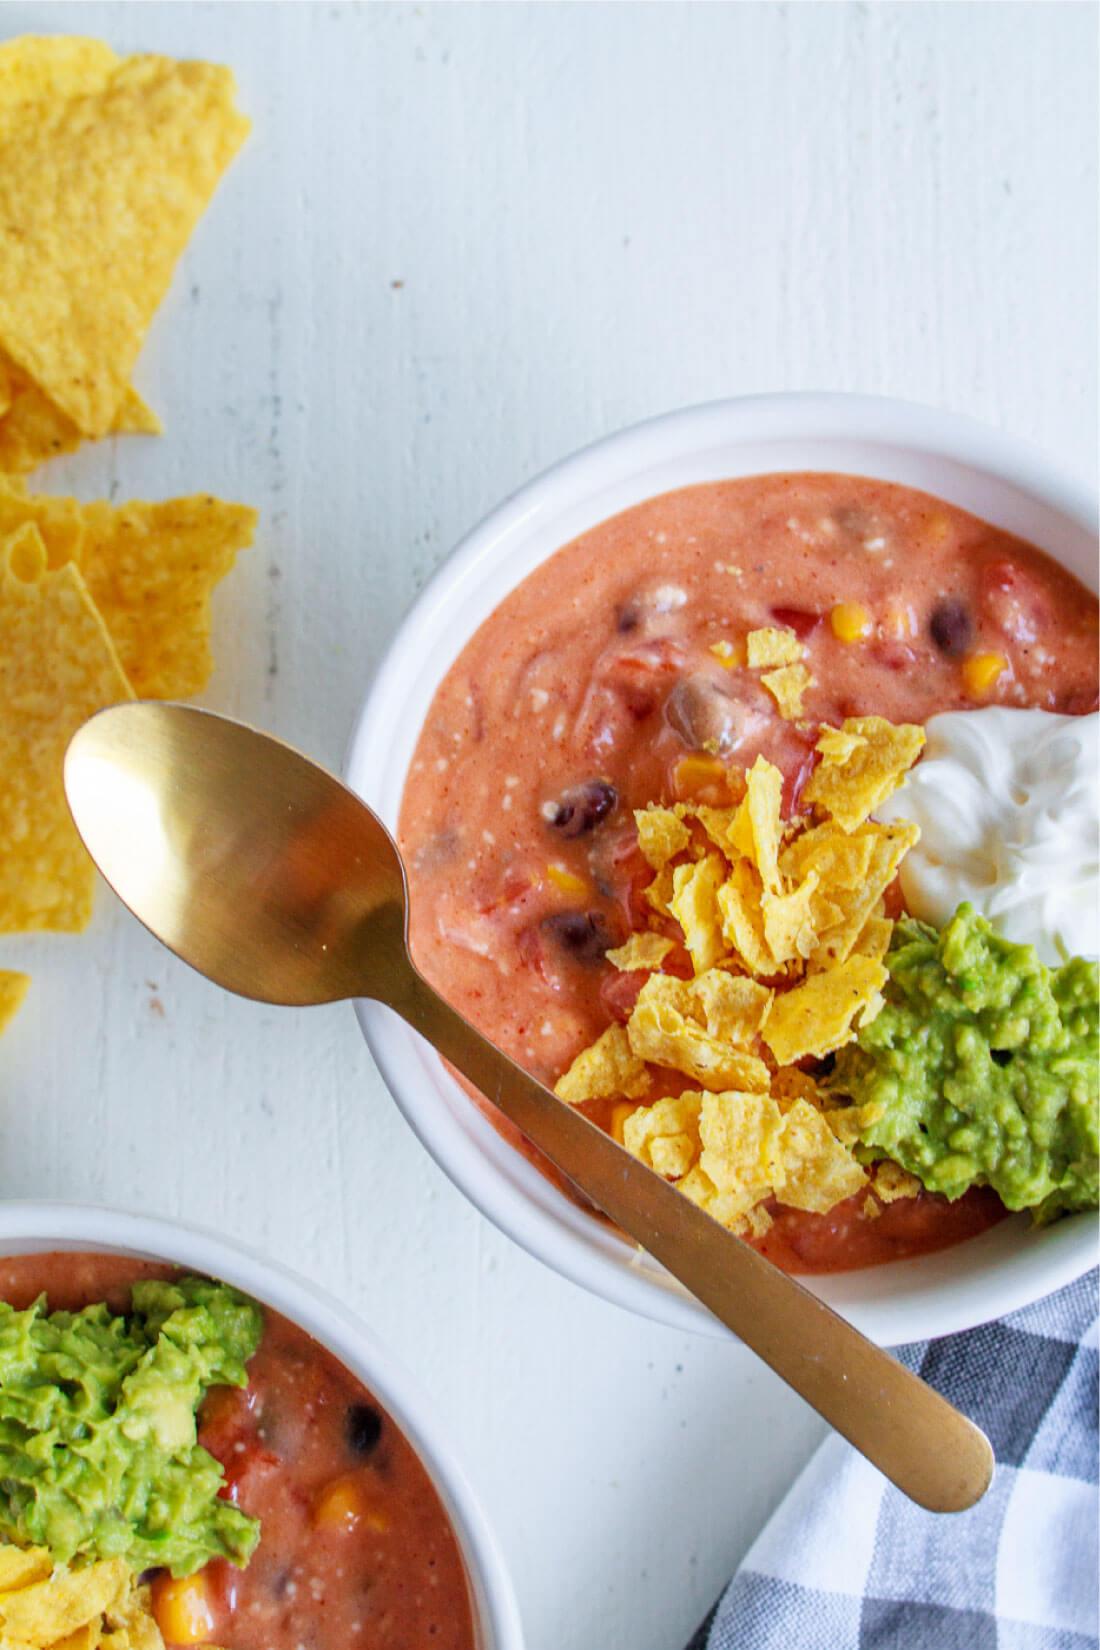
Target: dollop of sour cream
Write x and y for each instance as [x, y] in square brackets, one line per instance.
[1006, 801]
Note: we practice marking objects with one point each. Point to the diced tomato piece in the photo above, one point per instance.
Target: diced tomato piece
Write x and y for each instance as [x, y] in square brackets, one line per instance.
[619, 992]
[802, 620]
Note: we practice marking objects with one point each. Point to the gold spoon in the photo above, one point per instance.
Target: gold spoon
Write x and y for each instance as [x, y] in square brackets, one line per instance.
[271, 878]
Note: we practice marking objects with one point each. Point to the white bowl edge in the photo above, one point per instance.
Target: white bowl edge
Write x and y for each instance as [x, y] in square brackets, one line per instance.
[981, 470]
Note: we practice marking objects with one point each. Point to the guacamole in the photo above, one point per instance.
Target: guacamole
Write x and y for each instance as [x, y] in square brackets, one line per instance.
[981, 1068]
[98, 1451]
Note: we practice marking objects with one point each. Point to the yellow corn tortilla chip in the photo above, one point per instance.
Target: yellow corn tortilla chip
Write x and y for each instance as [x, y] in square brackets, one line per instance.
[603, 1071]
[838, 859]
[660, 1032]
[661, 836]
[88, 1637]
[19, 1566]
[787, 687]
[889, 1182]
[740, 1135]
[57, 666]
[817, 1171]
[757, 830]
[665, 1136]
[731, 1007]
[837, 939]
[33, 429]
[816, 1016]
[789, 921]
[694, 906]
[770, 646]
[838, 746]
[849, 787]
[13, 988]
[739, 906]
[45, 1611]
[640, 951]
[150, 569]
[105, 168]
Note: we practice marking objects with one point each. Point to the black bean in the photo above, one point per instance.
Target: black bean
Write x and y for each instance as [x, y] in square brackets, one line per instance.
[950, 627]
[362, 1428]
[583, 807]
[583, 935]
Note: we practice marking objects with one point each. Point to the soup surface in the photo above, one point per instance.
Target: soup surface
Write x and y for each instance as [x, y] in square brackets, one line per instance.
[355, 1547]
[580, 697]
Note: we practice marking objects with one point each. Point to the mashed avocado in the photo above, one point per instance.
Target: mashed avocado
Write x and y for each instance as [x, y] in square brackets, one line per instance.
[981, 1069]
[97, 1426]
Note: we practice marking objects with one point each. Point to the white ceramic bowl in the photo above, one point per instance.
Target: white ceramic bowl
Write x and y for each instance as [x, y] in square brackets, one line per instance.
[38, 1228]
[980, 470]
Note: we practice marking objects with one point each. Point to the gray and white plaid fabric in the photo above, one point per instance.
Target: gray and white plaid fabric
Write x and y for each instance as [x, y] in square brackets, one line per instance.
[847, 1563]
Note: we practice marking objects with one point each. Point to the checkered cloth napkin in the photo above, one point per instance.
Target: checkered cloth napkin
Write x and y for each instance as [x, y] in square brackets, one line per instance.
[847, 1563]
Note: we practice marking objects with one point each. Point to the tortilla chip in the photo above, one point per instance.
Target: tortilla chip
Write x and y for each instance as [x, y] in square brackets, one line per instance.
[890, 1182]
[739, 906]
[789, 921]
[740, 1135]
[603, 1071]
[817, 1171]
[757, 829]
[837, 859]
[150, 569]
[770, 646]
[837, 939]
[850, 786]
[19, 1566]
[640, 951]
[660, 1032]
[694, 906]
[106, 165]
[816, 1017]
[661, 836]
[45, 1611]
[33, 429]
[788, 687]
[665, 1136]
[57, 667]
[731, 1007]
[13, 988]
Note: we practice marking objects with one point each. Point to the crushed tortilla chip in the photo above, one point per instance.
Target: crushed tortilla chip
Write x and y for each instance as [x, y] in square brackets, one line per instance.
[890, 1182]
[787, 687]
[772, 646]
[785, 925]
[605, 1070]
[694, 907]
[661, 836]
[662, 1033]
[816, 1017]
[666, 1135]
[57, 667]
[818, 1172]
[850, 786]
[106, 165]
[640, 951]
[48, 1607]
[150, 569]
[13, 988]
[32, 429]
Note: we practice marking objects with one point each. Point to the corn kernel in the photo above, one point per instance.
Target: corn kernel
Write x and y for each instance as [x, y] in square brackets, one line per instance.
[694, 775]
[850, 622]
[620, 1111]
[181, 1609]
[344, 1505]
[566, 881]
[728, 656]
[981, 670]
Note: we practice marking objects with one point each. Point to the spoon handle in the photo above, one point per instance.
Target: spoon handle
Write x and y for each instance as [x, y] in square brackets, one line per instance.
[922, 1443]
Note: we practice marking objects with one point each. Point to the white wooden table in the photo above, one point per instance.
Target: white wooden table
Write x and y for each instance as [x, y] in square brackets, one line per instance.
[462, 241]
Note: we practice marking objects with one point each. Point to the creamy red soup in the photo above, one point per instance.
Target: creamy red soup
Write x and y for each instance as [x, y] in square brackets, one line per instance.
[355, 1547]
[593, 690]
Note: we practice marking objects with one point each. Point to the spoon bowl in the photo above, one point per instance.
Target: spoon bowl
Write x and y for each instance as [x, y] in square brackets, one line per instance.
[274, 880]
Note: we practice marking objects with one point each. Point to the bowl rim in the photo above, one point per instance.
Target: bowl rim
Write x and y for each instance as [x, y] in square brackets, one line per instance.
[42, 1227]
[548, 1226]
